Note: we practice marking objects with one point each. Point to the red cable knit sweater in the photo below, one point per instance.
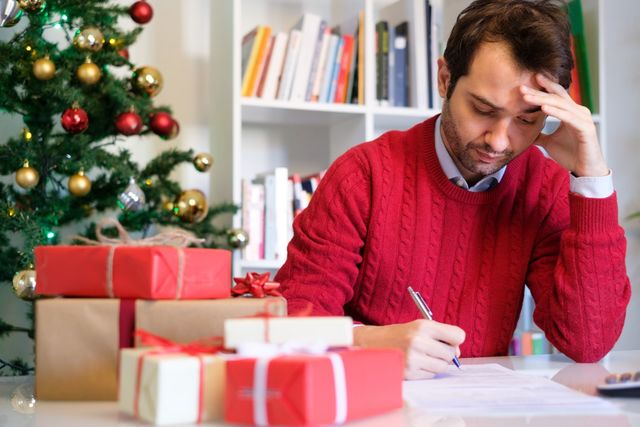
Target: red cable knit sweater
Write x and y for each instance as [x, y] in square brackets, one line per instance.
[385, 217]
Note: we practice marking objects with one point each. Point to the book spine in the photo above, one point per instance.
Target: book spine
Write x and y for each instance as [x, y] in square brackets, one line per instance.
[336, 71]
[315, 63]
[382, 62]
[328, 72]
[310, 30]
[345, 63]
[574, 8]
[293, 48]
[257, 51]
[263, 68]
[400, 79]
[276, 64]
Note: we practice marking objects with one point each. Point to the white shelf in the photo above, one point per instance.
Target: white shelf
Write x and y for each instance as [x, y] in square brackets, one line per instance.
[262, 264]
[255, 110]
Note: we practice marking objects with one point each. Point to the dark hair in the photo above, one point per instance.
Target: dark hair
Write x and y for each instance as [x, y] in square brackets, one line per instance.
[537, 31]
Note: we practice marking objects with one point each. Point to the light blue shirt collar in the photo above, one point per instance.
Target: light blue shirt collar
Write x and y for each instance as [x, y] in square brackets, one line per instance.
[453, 173]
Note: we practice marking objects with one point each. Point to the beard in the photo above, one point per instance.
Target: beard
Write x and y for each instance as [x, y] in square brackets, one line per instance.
[466, 154]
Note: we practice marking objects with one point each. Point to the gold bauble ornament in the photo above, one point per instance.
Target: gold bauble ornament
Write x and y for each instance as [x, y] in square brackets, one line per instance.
[191, 206]
[168, 206]
[203, 162]
[79, 185]
[24, 284]
[44, 68]
[89, 39]
[88, 73]
[11, 212]
[146, 80]
[26, 134]
[27, 176]
[32, 6]
[237, 238]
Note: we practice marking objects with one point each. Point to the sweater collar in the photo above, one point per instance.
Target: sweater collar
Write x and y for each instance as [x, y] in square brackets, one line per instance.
[426, 135]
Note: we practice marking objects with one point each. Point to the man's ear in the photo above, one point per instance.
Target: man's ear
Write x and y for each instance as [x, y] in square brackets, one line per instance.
[444, 77]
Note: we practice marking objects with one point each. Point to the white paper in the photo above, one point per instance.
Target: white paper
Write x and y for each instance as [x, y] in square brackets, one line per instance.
[491, 389]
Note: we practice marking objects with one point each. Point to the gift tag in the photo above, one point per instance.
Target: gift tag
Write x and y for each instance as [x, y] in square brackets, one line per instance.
[621, 385]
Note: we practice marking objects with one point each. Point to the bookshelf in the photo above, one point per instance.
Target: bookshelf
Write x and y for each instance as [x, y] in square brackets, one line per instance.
[251, 135]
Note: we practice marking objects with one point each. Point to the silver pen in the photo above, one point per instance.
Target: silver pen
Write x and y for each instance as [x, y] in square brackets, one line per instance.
[426, 312]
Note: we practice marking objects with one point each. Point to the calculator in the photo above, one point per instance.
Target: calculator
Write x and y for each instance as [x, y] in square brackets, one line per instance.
[621, 385]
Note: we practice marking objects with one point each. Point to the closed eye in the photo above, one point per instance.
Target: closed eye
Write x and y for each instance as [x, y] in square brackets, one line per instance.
[527, 121]
[482, 111]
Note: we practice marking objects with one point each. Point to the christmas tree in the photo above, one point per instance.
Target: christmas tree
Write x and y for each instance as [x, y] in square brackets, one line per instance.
[66, 73]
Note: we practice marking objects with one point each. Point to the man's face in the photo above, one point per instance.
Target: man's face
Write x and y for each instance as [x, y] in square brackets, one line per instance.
[486, 123]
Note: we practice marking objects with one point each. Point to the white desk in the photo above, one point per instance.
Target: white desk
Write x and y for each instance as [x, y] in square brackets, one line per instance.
[582, 377]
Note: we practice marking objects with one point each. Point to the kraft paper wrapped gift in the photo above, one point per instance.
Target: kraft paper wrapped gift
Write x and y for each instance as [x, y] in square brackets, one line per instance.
[78, 339]
[150, 272]
[171, 388]
[314, 389]
[334, 331]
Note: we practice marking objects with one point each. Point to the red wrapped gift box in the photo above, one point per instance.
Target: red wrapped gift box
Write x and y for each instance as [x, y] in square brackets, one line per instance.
[314, 389]
[149, 272]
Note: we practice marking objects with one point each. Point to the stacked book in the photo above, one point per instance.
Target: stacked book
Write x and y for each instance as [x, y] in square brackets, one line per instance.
[409, 41]
[270, 202]
[313, 62]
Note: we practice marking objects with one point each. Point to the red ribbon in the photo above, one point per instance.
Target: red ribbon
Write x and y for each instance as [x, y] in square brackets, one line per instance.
[194, 348]
[256, 284]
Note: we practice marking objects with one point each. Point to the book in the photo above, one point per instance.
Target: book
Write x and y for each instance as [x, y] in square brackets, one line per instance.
[274, 69]
[391, 71]
[412, 11]
[257, 51]
[332, 50]
[574, 87]
[315, 63]
[576, 19]
[247, 48]
[320, 66]
[291, 58]
[309, 26]
[262, 68]
[345, 64]
[253, 219]
[335, 71]
[352, 73]
[361, 57]
[401, 65]
[382, 62]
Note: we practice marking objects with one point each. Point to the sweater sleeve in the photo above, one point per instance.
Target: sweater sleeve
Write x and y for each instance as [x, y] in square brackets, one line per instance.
[326, 249]
[577, 276]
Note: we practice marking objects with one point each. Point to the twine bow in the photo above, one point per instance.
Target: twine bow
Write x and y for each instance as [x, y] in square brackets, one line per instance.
[176, 237]
[256, 284]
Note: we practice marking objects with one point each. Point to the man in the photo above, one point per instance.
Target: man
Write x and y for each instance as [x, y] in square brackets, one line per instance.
[466, 209]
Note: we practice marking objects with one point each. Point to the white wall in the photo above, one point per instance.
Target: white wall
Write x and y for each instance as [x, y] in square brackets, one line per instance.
[622, 98]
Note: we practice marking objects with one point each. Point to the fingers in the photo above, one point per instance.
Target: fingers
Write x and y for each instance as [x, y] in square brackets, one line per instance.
[552, 87]
[432, 349]
[448, 334]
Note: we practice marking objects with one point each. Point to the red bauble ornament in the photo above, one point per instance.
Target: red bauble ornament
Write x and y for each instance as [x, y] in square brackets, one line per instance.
[141, 12]
[129, 123]
[163, 125]
[124, 53]
[75, 120]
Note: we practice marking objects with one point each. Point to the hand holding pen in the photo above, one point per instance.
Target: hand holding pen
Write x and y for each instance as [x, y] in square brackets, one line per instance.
[426, 313]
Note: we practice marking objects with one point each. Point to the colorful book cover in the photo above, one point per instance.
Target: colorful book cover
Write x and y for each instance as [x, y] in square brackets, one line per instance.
[574, 8]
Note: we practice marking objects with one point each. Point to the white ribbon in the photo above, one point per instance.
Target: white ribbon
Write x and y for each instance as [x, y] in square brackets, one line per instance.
[260, 377]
